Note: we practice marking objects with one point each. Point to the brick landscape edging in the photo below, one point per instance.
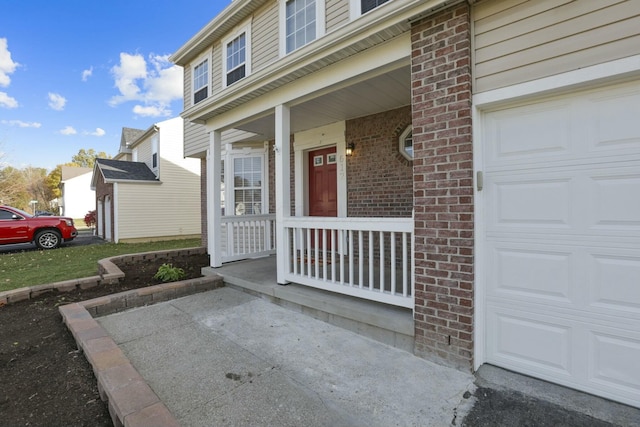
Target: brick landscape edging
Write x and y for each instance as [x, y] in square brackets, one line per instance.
[108, 273]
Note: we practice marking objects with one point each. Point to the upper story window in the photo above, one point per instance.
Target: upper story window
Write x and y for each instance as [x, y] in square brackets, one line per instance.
[236, 55]
[406, 143]
[360, 7]
[201, 81]
[236, 59]
[367, 5]
[302, 22]
[154, 154]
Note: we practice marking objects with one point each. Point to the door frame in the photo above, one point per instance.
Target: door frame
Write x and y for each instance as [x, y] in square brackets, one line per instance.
[322, 137]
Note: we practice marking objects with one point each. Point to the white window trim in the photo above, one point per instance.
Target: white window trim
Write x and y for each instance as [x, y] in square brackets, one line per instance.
[401, 139]
[206, 56]
[246, 29]
[230, 153]
[320, 25]
[155, 150]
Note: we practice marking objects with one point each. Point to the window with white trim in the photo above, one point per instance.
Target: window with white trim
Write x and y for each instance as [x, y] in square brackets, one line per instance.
[236, 59]
[406, 143]
[247, 185]
[302, 21]
[201, 84]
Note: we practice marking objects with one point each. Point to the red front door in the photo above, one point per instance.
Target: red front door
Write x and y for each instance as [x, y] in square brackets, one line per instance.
[323, 184]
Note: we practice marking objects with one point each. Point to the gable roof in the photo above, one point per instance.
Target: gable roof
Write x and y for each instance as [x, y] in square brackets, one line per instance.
[119, 170]
[129, 135]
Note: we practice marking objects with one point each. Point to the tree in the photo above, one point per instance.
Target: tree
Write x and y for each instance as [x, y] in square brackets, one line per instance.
[86, 158]
[13, 188]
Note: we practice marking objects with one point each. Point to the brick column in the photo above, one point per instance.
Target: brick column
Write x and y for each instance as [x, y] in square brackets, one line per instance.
[443, 187]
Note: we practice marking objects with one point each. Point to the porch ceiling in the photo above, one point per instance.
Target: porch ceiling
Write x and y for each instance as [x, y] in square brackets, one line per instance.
[374, 95]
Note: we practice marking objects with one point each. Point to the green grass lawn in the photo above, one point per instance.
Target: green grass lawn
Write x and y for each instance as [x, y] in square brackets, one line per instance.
[32, 268]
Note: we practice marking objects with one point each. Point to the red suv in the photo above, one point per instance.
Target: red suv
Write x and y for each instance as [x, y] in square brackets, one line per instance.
[47, 232]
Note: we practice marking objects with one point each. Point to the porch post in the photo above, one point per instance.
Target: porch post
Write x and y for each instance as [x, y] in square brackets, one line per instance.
[283, 187]
[214, 212]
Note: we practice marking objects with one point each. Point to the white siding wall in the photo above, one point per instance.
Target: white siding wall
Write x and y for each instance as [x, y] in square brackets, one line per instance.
[337, 14]
[171, 149]
[79, 198]
[156, 211]
[518, 40]
[264, 37]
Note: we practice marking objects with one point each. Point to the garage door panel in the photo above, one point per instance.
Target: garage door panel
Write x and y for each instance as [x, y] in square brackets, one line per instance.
[542, 202]
[551, 138]
[614, 361]
[532, 274]
[616, 200]
[614, 282]
[531, 341]
[615, 120]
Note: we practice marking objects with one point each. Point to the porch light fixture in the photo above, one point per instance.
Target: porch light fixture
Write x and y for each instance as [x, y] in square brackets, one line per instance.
[350, 147]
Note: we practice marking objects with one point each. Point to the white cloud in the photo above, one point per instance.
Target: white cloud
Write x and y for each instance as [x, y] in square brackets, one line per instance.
[57, 101]
[69, 130]
[155, 83]
[151, 111]
[97, 132]
[21, 124]
[6, 101]
[87, 73]
[7, 65]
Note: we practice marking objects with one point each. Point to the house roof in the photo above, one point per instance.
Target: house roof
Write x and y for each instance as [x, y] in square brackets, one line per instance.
[69, 172]
[129, 135]
[118, 170]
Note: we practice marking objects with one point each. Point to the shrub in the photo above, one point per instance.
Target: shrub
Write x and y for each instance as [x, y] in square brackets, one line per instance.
[90, 218]
[169, 273]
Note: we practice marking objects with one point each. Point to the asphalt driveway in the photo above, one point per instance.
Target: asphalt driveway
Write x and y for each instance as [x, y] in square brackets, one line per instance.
[85, 237]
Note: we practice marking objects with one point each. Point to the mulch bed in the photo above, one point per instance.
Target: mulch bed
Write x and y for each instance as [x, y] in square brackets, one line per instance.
[45, 380]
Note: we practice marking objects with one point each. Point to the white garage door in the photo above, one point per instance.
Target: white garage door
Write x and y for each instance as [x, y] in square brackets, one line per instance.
[561, 240]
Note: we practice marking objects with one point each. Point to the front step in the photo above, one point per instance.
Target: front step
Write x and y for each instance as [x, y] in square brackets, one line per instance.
[387, 324]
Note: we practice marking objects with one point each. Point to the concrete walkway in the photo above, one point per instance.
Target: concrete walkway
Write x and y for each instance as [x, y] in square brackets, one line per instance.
[224, 357]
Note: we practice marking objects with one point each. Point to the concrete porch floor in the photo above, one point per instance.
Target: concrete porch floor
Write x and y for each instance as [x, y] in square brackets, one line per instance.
[384, 323]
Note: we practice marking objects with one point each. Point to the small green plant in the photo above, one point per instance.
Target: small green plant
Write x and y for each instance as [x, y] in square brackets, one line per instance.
[169, 273]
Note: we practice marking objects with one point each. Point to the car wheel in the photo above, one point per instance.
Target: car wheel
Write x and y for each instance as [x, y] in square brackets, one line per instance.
[48, 239]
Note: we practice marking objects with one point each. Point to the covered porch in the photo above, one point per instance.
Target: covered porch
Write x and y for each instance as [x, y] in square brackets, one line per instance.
[363, 245]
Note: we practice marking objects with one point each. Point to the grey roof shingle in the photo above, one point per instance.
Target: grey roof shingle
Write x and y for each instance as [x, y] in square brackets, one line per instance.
[129, 135]
[118, 170]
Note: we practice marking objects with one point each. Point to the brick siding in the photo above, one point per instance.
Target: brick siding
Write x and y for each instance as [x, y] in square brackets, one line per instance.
[443, 187]
[379, 178]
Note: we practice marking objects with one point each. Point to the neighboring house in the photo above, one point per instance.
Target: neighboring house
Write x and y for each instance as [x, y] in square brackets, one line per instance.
[128, 137]
[153, 196]
[493, 177]
[77, 196]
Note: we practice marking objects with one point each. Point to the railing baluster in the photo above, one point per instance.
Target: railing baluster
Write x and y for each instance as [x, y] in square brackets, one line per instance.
[393, 263]
[334, 249]
[308, 254]
[404, 265]
[350, 257]
[293, 236]
[341, 259]
[371, 275]
[360, 260]
[316, 255]
[382, 281]
[324, 254]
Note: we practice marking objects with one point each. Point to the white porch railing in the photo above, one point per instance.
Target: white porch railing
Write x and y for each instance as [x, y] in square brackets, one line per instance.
[368, 258]
[247, 236]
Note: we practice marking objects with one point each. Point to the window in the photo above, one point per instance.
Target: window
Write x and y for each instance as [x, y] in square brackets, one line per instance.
[236, 59]
[406, 143]
[154, 154]
[367, 5]
[247, 185]
[302, 21]
[236, 55]
[201, 81]
[154, 161]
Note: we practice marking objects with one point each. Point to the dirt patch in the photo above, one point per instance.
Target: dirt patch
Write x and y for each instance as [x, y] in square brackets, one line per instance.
[45, 380]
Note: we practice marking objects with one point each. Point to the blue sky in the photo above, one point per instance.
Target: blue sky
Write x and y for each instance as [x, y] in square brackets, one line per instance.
[73, 73]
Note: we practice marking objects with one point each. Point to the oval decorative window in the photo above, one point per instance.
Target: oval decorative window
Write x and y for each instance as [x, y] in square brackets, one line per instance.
[406, 143]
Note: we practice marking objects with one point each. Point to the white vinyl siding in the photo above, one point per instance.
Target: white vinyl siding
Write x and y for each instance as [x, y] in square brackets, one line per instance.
[337, 14]
[264, 35]
[144, 152]
[186, 96]
[196, 140]
[518, 41]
